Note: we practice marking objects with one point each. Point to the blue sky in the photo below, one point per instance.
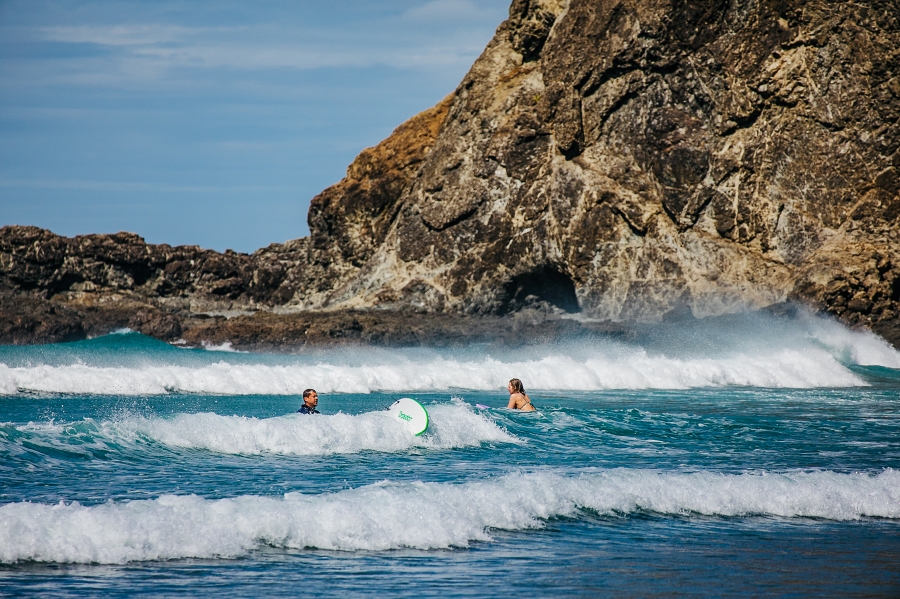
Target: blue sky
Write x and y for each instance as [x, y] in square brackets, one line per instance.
[211, 122]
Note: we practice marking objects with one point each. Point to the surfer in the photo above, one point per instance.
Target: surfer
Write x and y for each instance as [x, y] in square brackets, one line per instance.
[517, 398]
[310, 401]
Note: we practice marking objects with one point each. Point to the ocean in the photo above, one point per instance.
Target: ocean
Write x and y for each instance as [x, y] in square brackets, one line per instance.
[755, 457]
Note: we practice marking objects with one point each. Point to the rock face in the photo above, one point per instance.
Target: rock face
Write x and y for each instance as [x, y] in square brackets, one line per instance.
[623, 159]
[88, 268]
[55, 288]
[59, 289]
[626, 158]
[349, 221]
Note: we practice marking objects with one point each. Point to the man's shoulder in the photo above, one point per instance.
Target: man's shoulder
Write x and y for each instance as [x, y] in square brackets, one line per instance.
[307, 410]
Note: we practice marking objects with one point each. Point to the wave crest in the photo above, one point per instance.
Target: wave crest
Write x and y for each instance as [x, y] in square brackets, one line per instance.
[420, 515]
[451, 426]
[633, 370]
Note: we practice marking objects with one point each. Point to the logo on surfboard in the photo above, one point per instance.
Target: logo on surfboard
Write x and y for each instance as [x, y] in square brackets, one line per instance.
[411, 413]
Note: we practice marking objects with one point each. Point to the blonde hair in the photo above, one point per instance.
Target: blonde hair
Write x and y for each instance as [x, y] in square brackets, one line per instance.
[517, 386]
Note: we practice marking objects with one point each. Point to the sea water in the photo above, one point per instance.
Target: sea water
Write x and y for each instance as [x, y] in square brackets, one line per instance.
[759, 457]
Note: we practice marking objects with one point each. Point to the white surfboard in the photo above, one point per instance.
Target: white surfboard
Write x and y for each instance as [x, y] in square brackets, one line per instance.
[411, 413]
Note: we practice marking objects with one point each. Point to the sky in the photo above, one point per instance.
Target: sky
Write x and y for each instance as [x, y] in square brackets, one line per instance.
[211, 122]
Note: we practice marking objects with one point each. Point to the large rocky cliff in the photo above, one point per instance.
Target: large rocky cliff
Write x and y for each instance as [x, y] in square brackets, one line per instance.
[626, 158]
[622, 159]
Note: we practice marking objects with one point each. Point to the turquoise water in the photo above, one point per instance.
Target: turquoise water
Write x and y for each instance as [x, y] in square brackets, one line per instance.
[758, 460]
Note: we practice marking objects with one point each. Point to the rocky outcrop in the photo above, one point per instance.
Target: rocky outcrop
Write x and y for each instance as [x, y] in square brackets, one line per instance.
[56, 288]
[349, 221]
[102, 268]
[266, 331]
[625, 159]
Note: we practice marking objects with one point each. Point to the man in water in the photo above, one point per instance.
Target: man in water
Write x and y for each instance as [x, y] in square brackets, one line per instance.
[310, 401]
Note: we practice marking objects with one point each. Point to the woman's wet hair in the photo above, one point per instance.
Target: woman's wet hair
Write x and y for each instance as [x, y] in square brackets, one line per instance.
[517, 386]
[308, 392]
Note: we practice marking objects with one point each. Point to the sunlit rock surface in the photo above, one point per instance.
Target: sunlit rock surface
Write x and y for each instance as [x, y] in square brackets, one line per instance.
[627, 158]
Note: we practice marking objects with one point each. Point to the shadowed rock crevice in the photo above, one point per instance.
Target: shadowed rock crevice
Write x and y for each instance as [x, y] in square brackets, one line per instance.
[543, 288]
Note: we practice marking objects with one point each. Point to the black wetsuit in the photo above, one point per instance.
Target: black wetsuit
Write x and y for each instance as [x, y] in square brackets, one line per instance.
[305, 409]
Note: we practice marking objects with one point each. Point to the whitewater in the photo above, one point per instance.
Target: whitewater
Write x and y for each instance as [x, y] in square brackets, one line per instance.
[811, 353]
[377, 517]
[693, 459]
[450, 426]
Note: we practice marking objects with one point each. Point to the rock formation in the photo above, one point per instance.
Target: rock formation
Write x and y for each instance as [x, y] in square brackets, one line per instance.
[622, 159]
[55, 288]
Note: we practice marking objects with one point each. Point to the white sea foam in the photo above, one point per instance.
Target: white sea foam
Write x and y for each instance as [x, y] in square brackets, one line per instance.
[450, 426]
[807, 352]
[610, 369]
[420, 515]
[853, 347]
[223, 347]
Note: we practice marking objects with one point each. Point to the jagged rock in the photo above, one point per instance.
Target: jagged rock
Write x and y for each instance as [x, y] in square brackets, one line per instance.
[350, 220]
[55, 288]
[25, 320]
[625, 159]
[96, 268]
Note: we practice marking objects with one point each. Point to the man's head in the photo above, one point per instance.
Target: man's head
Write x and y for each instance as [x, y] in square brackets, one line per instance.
[310, 398]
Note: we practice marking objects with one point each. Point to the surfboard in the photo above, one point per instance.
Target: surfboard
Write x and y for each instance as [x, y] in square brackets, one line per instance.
[411, 413]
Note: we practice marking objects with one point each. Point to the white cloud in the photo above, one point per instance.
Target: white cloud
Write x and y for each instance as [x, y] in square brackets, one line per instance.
[443, 11]
[435, 34]
[124, 35]
[251, 57]
[124, 186]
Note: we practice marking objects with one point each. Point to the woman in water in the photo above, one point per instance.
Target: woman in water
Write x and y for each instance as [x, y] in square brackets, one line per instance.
[517, 398]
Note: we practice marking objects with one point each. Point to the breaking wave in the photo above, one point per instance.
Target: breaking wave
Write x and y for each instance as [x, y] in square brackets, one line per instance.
[421, 515]
[637, 370]
[451, 426]
[805, 353]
